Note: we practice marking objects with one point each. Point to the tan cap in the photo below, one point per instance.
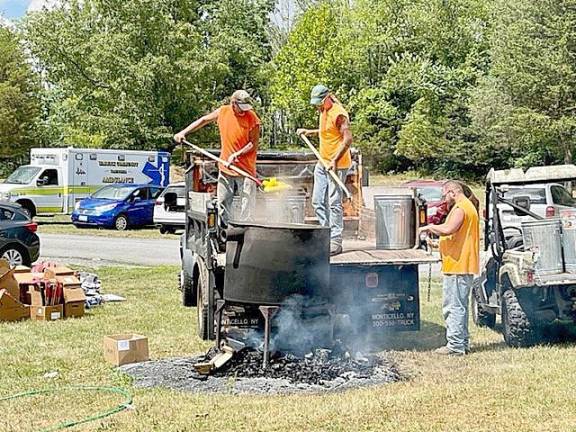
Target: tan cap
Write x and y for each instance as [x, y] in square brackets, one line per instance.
[243, 99]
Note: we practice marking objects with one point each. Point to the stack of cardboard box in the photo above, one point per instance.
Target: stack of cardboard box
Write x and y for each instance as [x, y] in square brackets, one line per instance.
[44, 293]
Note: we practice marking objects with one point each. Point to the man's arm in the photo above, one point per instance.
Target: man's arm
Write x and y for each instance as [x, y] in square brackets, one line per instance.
[449, 227]
[253, 143]
[307, 132]
[344, 126]
[197, 124]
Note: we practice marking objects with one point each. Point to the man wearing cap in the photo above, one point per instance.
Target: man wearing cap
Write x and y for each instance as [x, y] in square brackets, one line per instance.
[239, 128]
[335, 140]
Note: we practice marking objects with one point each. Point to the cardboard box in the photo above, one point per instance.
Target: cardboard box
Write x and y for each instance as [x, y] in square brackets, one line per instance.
[27, 278]
[35, 296]
[74, 309]
[46, 313]
[60, 270]
[7, 280]
[11, 309]
[74, 301]
[69, 281]
[125, 348]
[22, 269]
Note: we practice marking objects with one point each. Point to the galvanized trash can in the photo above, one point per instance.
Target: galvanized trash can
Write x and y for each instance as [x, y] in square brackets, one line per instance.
[544, 237]
[395, 221]
[568, 218]
[281, 209]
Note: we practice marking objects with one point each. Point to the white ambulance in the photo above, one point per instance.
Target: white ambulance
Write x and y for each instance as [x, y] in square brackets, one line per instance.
[59, 177]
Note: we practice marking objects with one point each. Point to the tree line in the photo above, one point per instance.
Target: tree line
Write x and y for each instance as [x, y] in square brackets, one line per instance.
[451, 87]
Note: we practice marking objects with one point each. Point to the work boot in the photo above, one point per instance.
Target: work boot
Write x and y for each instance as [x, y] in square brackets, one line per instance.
[335, 248]
[447, 351]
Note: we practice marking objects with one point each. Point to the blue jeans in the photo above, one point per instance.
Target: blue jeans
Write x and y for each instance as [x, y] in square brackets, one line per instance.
[327, 201]
[229, 187]
[455, 310]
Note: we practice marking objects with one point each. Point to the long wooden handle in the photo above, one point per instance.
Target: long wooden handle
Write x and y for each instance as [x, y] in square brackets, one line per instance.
[226, 164]
[331, 172]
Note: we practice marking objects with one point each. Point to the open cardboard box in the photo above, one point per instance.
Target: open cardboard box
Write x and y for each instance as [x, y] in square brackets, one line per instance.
[7, 280]
[47, 313]
[74, 301]
[11, 309]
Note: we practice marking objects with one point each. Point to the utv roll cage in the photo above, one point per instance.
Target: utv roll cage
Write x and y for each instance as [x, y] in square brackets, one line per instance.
[494, 237]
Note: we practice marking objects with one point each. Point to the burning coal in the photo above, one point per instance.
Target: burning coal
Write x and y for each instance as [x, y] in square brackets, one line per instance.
[318, 367]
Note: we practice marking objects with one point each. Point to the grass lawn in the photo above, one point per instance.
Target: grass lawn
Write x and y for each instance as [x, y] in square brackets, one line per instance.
[60, 224]
[493, 389]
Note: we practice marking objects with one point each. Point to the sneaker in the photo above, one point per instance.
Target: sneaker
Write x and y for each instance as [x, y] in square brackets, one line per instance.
[448, 352]
[335, 248]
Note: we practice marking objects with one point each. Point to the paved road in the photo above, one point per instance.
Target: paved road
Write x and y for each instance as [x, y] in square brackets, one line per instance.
[97, 251]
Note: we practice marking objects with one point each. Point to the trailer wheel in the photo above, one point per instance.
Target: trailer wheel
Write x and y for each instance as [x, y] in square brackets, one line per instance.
[121, 223]
[519, 330]
[480, 317]
[202, 293]
[188, 286]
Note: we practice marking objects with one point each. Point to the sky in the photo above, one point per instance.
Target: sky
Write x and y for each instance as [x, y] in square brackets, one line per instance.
[14, 9]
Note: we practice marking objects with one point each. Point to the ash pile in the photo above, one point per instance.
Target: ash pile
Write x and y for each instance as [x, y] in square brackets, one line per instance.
[319, 371]
[294, 351]
[320, 367]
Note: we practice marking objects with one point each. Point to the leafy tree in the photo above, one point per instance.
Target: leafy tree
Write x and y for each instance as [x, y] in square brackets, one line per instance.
[19, 104]
[525, 108]
[404, 69]
[128, 73]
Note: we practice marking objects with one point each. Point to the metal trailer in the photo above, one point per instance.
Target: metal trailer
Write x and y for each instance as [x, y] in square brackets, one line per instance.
[377, 289]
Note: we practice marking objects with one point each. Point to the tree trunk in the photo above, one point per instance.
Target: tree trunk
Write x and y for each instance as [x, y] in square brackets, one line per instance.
[567, 151]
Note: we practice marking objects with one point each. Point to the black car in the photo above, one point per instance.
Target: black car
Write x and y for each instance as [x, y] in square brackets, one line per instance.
[19, 243]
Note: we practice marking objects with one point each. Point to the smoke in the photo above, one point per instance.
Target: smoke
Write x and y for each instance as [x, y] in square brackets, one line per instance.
[302, 325]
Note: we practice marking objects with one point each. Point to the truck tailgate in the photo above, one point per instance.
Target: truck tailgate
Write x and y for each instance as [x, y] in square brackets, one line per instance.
[364, 253]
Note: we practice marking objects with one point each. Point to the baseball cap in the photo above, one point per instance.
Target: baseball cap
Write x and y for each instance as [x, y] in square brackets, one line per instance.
[319, 92]
[243, 99]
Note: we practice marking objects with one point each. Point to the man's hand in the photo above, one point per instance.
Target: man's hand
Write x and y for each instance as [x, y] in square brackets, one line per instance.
[179, 137]
[233, 158]
[432, 243]
[302, 131]
[424, 229]
[332, 165]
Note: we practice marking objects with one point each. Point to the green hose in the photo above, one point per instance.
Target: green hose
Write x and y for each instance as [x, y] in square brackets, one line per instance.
[70, 423]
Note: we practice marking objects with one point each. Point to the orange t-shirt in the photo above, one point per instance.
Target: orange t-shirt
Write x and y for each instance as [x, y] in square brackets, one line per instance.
[331, 137]
[461, 251]
[234, 135]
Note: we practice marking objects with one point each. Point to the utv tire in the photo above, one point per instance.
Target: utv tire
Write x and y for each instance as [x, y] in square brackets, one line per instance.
[480, 317]
[518, 329]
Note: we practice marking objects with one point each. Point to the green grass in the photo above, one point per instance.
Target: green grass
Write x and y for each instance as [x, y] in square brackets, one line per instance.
[60, 224]
[493, 389]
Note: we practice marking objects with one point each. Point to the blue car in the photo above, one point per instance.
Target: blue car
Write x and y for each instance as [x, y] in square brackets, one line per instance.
[117, 206]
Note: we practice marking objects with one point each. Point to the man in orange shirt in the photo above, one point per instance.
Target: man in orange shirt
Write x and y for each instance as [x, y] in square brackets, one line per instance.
[460, 252]
[239, 128]
[335, 140]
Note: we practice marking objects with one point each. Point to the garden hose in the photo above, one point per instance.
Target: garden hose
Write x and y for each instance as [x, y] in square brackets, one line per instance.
[70, 423]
